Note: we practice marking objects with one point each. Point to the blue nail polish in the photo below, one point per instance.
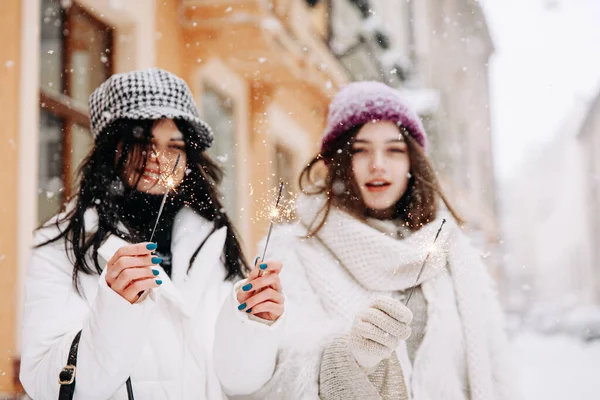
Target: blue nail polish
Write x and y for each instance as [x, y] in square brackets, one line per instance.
[242, 306]
[247, 287]
[151, 246]
[156, 260]
[158, 282]
[255, 261]
[249, 310]
[263, 266]
[155, 272]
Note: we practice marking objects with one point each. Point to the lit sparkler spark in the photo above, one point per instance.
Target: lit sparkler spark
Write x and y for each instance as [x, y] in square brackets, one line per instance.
[284, 211]
[170, 182]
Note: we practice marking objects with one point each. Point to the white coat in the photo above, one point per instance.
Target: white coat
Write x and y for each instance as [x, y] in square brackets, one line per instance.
[163, 342]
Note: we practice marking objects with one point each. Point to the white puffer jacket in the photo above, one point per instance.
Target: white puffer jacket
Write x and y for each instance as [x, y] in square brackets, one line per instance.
[163, 342]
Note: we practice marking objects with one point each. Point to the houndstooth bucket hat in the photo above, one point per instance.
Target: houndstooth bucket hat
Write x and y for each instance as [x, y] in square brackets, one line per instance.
[146, 94]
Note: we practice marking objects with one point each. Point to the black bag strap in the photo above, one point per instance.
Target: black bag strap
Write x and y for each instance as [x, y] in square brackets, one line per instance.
[66, 377]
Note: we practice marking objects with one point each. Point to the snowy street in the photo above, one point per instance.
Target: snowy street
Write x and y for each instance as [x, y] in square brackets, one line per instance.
[557, 367]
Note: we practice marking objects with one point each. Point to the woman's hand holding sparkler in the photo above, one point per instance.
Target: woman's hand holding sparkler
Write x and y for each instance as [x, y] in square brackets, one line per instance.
[261, 293]
[130, 272]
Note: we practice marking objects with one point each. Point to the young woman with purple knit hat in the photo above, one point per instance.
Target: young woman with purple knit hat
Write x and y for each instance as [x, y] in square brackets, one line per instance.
[364, 228]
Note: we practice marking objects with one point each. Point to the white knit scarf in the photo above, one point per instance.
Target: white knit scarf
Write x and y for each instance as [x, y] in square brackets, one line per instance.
[455, 332]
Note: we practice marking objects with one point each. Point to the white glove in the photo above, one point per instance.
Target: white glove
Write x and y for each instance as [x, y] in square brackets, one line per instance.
[378, 330]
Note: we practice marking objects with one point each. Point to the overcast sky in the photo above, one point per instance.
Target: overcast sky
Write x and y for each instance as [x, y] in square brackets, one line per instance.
[547, 62]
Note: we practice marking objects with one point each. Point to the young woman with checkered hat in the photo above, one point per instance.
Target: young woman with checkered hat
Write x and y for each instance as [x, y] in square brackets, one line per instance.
[109, 314]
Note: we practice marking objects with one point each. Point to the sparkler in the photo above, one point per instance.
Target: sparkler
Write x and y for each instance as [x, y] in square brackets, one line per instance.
[170, 182]
[424, 262]
[274, 213]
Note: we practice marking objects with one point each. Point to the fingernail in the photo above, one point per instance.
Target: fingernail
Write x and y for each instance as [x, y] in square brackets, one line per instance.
[155, 272]
[247, 287]
[242, 306]
[263, 266]
[255, 261]
[158, 282]
[151, 246]
[156, 260]
[249, 310]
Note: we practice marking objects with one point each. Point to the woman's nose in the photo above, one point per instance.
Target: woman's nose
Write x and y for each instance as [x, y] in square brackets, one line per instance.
[378, 162]
[158, 155]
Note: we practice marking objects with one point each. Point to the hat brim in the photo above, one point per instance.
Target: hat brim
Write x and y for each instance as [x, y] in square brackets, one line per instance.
[161, 112]
[156, 112]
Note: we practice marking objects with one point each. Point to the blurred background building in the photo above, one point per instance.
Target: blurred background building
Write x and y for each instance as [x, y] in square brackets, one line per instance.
[262, 72]
[551, 222]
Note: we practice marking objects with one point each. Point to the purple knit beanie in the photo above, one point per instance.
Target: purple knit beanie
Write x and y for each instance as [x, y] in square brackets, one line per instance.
[360, 102]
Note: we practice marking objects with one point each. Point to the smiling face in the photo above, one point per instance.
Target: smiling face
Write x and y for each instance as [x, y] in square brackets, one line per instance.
[381, 166]
[157, 177]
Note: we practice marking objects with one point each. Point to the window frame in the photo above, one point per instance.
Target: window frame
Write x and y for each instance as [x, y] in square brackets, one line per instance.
[62, 105]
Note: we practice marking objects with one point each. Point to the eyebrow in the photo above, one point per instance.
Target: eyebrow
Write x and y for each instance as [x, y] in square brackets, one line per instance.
[397, 140]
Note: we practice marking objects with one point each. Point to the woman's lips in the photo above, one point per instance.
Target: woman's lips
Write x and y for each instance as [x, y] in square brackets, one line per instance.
[377, 186]
[151, 176]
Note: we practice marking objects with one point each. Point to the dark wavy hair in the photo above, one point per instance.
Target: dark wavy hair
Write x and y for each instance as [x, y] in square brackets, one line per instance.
[417, 207]
[129, 142]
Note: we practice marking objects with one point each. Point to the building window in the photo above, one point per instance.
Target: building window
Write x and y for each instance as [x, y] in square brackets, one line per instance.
[218, 112]
[75, 57]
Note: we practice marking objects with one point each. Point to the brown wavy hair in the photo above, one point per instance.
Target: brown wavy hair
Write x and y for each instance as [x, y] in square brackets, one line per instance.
[418, 205]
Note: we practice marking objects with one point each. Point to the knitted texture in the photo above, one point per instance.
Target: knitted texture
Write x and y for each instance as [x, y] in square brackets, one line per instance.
[327, 286]
[378, 330]
[418, 304]
[360, 102]
[145, 94]
[341, 378]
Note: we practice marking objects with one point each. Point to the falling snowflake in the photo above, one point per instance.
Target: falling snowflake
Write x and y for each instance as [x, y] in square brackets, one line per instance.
[66, 3]
[96, 201]
[262, 60]
[50, 51]
[229, 9]
[223, 158]
[116, 188]
[2, 257]
[188, 171]
[138, 131]
[338, 187]
[103, 59]
[9, 64]
[328, 84]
